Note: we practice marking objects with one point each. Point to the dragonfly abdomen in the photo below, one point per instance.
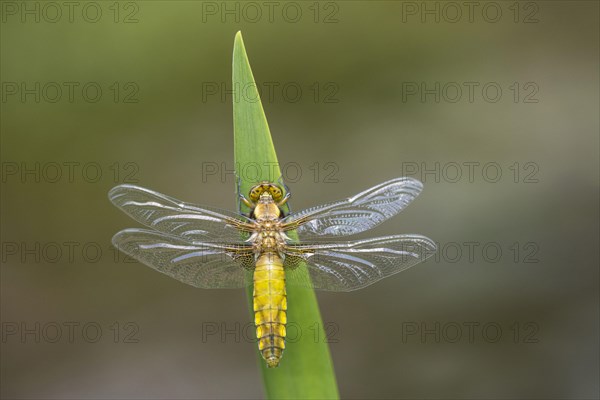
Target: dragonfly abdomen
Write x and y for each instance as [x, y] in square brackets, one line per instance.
[270, 305]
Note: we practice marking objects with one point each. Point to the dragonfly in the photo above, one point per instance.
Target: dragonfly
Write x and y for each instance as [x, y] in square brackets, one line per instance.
[207, 247]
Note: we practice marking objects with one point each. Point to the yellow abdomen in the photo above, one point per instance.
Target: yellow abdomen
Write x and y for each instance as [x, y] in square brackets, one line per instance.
[270, 305]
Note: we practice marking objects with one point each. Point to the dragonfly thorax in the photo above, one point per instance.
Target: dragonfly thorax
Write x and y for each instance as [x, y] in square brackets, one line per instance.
[268, 236]
[266, 209]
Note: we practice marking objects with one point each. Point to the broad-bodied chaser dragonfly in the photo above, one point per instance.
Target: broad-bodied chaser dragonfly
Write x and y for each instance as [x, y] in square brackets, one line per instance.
[210, 248]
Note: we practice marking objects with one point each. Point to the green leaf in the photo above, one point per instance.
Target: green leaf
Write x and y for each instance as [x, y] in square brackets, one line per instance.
[306, 369]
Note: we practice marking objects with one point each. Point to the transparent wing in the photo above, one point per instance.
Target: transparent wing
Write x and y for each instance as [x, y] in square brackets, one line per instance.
[348, 266]
[203, 265]
[168, 215]
[355, 214]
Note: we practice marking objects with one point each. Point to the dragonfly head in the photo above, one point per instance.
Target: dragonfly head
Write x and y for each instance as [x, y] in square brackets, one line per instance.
[266, 188]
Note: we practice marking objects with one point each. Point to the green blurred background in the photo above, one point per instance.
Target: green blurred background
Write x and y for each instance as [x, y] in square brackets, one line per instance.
[164, 120]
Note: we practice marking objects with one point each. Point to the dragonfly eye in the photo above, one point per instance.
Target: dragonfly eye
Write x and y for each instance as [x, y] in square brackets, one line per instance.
[255, 193]
[275, 192]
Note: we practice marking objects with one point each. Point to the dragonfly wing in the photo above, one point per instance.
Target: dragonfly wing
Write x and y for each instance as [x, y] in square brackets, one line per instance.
[203, 265]
[355, 214]
[173, 217]
[348, 266]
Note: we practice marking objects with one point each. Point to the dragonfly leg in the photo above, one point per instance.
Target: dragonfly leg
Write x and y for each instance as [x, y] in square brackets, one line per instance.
[246, 202]
[242, 199]
[283, 201]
